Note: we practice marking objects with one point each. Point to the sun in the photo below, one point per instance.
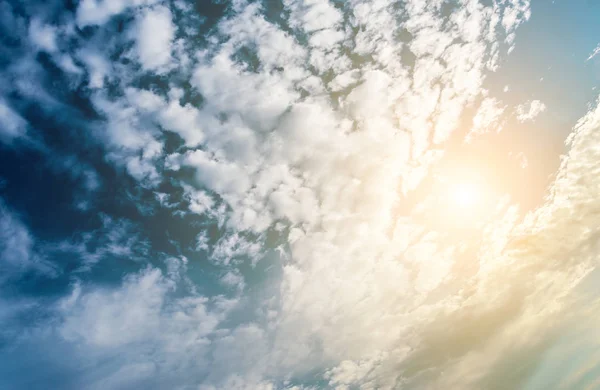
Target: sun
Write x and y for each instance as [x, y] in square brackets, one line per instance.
[462, 199]
[465, 195]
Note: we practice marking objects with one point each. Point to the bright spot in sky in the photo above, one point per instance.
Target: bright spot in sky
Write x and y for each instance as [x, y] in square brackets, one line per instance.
[461, 201]
[465, 195]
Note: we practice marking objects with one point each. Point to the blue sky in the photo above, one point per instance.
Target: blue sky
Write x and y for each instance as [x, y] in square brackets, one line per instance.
[299, 194]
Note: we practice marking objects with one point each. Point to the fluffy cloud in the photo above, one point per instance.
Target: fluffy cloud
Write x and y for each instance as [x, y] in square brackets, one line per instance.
[43, 36]
[530, 110]
[97, 66]
[346, 243]
[299, 140]
[330, 169]
[487, 117]
[142, 313]
[154, 35]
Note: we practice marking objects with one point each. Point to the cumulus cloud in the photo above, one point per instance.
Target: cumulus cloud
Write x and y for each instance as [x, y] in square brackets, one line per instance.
[530, 110]
[297, 139]
[98, 67]
[353, 177]
[154, 36]
[141, 313]
[43, 36]
[276, 149]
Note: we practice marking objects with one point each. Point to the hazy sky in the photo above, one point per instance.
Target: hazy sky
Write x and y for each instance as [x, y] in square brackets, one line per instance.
[299, 194]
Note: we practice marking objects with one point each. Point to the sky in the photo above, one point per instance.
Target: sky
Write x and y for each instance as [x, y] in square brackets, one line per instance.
[299, 194]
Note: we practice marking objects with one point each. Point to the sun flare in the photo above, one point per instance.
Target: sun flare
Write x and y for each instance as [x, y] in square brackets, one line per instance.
[465, 195]
[300, 194]
[461, 200]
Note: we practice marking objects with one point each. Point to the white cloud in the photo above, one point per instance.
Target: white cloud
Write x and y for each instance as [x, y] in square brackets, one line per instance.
[94, 12]
[344, 80]
[17, 248]
[97, 65]
[370, 293]
[200, 202]
[15, 240]
[178, 333]
[12, 125]
[130, 142]
[183, 120]
[232, 248]
[530, 110]
[67, 64]
[112, 319]
[338, 186]
[228, 90]
[313, 16]
[128, 377]
[43, 36]
[594, 53]
[154, 35]
[221, 177]
[487, 118]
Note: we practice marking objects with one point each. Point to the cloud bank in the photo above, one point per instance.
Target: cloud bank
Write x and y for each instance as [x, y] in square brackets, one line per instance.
[282, 150]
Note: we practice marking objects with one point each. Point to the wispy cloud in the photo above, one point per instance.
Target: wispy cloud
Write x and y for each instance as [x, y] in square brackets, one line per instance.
[18, 253]
[594, 53]
[12, 125]
[530, 110]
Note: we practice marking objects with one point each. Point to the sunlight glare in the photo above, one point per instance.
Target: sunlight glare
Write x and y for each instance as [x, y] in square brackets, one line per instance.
[465, 195]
